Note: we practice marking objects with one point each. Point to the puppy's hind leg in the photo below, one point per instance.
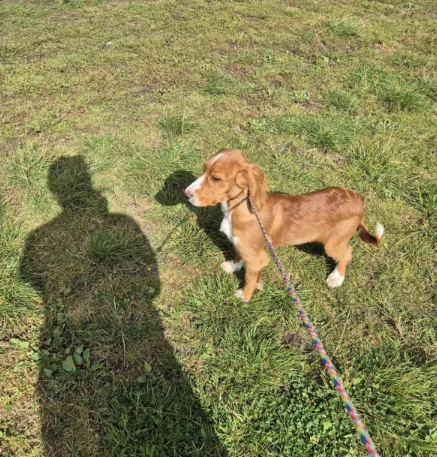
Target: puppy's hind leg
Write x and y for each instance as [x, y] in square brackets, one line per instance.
[341, 253]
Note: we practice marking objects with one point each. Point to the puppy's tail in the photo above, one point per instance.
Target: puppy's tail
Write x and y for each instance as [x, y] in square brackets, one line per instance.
[367, 237]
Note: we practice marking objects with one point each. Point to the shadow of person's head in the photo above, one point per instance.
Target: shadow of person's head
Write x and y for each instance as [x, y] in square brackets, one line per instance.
[69, 180]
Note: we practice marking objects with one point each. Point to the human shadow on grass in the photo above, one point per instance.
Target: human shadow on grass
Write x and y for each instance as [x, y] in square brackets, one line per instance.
[109, 380]
[208, 218]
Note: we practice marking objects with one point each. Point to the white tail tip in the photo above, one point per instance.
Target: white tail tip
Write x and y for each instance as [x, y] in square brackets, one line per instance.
[379, 230]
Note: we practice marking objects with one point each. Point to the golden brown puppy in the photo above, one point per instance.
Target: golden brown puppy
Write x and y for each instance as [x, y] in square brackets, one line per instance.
[328, 216]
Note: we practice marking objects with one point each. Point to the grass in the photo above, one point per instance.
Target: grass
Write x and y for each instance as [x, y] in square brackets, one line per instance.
[342, 27]
[218, 83]
[176, 124]
[120, 334]
[325, 134]
[343, 101]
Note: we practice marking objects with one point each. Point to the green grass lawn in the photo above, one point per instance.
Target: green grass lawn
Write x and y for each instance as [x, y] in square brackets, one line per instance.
[119, 333]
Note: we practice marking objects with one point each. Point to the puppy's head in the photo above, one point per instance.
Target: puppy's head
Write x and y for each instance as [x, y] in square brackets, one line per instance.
[227, 175]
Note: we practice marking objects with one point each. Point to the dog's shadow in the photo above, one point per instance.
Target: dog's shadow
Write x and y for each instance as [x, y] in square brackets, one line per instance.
[317, 249]
[208, 218]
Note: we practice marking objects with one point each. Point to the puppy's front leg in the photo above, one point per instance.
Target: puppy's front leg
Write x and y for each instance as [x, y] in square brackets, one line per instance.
[252, 281]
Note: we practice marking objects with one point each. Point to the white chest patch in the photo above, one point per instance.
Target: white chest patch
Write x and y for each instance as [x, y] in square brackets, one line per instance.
[226, 225]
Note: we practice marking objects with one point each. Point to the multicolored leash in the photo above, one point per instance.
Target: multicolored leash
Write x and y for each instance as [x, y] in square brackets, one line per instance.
[364, 435]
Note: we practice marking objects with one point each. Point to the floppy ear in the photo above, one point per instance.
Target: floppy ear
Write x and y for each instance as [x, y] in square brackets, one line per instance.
[254, 180]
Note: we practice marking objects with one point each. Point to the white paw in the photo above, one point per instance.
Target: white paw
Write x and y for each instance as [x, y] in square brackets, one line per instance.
[239, 294]
[260, 285]
[231, 266]
[335, 279]
[227, 266]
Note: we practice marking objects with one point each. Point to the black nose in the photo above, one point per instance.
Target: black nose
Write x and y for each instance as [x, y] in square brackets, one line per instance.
[188, 193]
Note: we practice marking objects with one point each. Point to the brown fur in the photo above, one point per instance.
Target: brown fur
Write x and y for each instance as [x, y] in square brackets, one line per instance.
[329, 216]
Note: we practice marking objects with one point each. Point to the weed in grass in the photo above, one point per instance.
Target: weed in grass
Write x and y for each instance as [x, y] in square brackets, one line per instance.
[413, 6]
[309, 416]
[300, 96]
[342, 27]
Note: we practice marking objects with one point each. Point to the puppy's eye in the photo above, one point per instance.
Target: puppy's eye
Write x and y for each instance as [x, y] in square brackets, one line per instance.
[214, 179]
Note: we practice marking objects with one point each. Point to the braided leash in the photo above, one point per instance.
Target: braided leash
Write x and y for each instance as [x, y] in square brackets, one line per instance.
[364, 435]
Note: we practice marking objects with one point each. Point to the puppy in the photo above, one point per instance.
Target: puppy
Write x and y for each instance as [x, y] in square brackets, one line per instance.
[329, 216]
